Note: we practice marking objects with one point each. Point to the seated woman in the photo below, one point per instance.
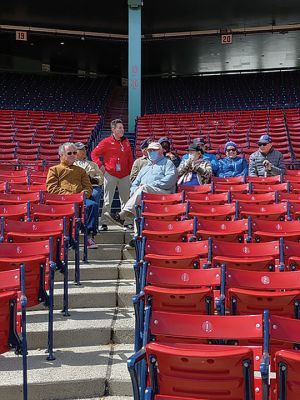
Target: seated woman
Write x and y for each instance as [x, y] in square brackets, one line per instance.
[232, 165]
[194, 170]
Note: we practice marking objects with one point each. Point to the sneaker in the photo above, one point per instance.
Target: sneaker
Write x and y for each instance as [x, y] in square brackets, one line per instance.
[103, 228]
[128, 227]
[130, 245]
[91, 244]
[114, 218]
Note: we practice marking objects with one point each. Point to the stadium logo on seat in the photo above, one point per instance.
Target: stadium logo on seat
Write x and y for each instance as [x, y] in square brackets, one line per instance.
[207, 326]
[278, 227]
[170, 227]
[34, 227]
[185, 277]
[178, 249]
[19, 250]
[246, 250]
[223, 227]
[265, 280]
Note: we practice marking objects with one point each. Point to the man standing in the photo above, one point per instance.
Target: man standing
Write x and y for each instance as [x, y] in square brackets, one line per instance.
[266, 161]
[141, 161]
[67, 178]
[158, 176]
[116, 153]
[92, 169]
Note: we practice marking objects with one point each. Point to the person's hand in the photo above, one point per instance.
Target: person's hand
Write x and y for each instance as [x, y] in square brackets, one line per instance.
[267, 165]
[170, 155]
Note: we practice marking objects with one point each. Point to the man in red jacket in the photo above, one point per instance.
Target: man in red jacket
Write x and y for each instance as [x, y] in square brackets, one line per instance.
[117, 157]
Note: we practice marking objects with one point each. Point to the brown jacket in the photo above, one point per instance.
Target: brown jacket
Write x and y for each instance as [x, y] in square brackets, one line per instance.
[68, 179]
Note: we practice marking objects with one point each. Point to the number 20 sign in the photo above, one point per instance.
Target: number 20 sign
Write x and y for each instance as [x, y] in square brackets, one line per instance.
[226, 39]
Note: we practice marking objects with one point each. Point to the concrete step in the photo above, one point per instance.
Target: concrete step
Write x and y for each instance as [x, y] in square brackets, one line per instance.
[114, 236]
[84, 327]
[94, 269]
[103, 252]
[77, 372]
[95, 293]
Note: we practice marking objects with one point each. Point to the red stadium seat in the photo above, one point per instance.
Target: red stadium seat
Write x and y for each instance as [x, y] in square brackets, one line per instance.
[207, 198]
[164, 212]
[272, 230]
[273, 212]
[262, 198]
[167, 230]
[163, 198]
[214, 212]
[230, 231]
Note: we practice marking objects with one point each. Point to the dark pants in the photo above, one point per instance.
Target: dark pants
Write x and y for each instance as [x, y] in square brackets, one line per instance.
[92, 216]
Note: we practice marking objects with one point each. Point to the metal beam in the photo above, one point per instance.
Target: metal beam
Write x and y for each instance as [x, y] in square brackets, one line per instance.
[134, 64]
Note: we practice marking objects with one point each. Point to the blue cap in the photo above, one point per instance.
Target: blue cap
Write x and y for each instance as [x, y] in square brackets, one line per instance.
[164, 139]
[230, 144]
[264, 139]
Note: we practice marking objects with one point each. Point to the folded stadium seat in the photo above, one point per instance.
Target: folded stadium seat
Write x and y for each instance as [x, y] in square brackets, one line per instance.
[265, 188]
[207, 198]
[153, 198]
[292, 197]
[237, 188]
[268, 180]
[168, 231]
[229, 180]
[251, 292]
[39, 271]
[261, 198]
[287, 373]
[12, 231]
[20, 188]
[12, 198]
[175, 364]
[164, 212]
[17, 212]
[198, 188]
[12, 297]
[250, 256]
[294, 187]
[174, 254]
[229, 231]
[262, 230]
[214, 212]
[273, 212]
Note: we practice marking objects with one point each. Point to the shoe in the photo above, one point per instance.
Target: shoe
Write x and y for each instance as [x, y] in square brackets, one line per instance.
[91, 244]
[103, 228]
[130, 245]
[128, 227]
[114, 218]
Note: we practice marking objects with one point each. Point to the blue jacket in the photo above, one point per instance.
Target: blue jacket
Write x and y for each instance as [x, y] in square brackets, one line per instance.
[236, 166]
[162, 174]
[211, 158]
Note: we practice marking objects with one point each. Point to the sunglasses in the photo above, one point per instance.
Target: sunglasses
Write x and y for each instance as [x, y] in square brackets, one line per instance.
[69, 153]
[262, 144]
[231, 150]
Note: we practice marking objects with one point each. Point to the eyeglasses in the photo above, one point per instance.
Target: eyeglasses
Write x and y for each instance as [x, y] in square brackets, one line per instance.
[231, 150]
[262, 144]
[69, 153]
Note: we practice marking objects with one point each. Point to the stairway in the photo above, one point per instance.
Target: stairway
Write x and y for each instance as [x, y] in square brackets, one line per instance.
[117, 107]
[92, 345]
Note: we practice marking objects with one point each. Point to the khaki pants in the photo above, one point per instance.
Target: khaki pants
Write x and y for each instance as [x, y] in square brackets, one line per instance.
[135, 199]
[110, 184]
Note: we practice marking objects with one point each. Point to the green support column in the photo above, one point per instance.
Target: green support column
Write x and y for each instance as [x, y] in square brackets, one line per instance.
[134, 62]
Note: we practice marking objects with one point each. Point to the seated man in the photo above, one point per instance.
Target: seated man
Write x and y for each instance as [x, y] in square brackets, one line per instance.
[232, 165]
[92, 169]
[67, 178]
[166, 145]
[266, 161]
[140, 162]
[158, 176]
[206, 156]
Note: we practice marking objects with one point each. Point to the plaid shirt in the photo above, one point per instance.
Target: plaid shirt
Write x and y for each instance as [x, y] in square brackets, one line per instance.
[256, 160]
